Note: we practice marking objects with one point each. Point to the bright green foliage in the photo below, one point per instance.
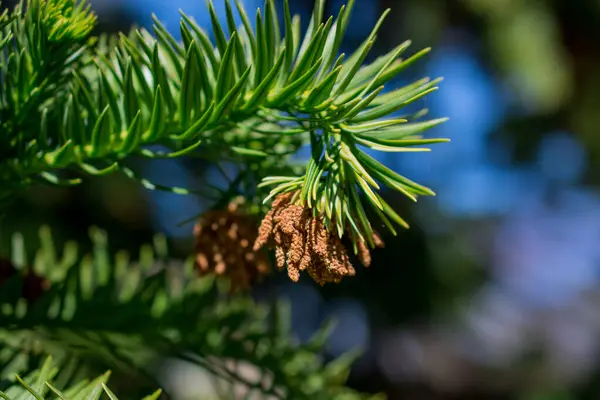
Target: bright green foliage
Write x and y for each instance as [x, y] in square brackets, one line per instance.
[128, 314]
[252, 98]
[40, 50]
[74, 105]
[37, 386]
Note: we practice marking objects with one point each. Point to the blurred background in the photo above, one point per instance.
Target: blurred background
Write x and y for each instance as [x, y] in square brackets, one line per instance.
[495, 292]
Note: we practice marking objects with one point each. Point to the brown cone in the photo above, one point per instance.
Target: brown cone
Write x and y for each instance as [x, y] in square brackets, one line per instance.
[223, 240]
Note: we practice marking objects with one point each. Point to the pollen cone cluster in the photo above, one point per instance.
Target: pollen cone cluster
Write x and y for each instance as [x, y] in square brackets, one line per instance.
[302, 242]
[223, 246]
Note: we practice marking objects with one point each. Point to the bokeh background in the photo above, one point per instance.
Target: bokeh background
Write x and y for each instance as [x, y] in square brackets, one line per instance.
[495, 292]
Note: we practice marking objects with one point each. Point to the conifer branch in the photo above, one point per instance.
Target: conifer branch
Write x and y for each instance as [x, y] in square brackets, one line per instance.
[253, 96]
[73, 105]
[128, 314]
[41, 384]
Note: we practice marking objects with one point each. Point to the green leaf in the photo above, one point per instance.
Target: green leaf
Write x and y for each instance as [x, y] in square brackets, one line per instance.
[311, 169]
[132, 137]
[100, 135]
[109, 393]
[141, 41]
[395, 54]
[209, 51]
[313, 184]
[371, 126]
[274, 180]
[68, 121]
[293, 88]
[198, 125]
[289, 37]
[22, 77]
[261, 92]
[383, 144]
[248, 152]
[153, 396]
[169, 44]
[381, 64]
[84, 88]
[90, 169]
[190, 86]
[322, 91]
[93, 390]
[354, 66]
[356, 205]
[32, 391]
[312, 52]
[394, 184]
[396, 146]
[260, 56]
[402, 131]
[355, 165]
[355, 61]
[334, 39]
[131, 105]
[373, 165]
[157, 119]
[161, 80]
[46, 373]
[229, 100]
[339, 368]
[57, 392]
[138, 59]
[314, 24]
[396, 67]
[186, 35]
[240, 59]
[221, 40]
[206, 73]
[389, 211]
[271, 33]
[386, 109]
[61, 156]
[247, 25]
[284, 187]
[43, 141]
[225, 75]
[361, 105]
[183, 151]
